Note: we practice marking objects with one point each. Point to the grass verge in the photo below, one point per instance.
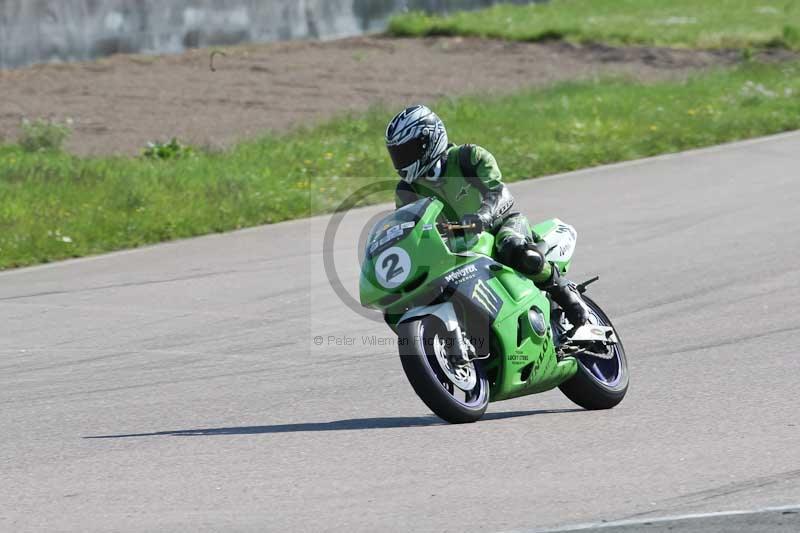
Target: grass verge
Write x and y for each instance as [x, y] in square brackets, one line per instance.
[676, 23]
[54, 205]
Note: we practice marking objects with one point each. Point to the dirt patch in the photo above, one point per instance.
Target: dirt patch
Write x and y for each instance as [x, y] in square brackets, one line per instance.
[117, 104]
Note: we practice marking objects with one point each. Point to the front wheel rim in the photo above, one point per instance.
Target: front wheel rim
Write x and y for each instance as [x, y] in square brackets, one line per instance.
[474, 397]
[464, 376]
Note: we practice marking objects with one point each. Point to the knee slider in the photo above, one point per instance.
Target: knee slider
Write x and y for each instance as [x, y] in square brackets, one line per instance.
[519, 254]
[529, 261]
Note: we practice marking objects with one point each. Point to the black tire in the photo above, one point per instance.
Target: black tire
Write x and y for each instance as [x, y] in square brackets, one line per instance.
[415, 341]
[585, 388]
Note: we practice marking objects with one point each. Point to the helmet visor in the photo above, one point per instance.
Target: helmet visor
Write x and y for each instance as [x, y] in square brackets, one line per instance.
[406, 154]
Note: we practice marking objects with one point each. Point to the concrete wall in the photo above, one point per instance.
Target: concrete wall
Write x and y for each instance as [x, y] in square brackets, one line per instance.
[33, 31]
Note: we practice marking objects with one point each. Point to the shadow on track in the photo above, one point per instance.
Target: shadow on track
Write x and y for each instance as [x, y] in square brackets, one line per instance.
[337, 425]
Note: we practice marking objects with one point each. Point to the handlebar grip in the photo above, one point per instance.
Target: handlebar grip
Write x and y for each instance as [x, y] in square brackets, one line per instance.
[458, 226]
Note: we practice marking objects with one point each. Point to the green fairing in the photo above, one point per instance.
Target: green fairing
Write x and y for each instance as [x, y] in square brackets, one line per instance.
[517, 369]
[544, 228]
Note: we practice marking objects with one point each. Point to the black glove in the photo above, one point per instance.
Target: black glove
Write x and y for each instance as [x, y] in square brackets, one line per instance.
[476, 220]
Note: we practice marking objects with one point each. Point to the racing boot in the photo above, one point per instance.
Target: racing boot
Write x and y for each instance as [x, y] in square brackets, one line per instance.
[566, 295]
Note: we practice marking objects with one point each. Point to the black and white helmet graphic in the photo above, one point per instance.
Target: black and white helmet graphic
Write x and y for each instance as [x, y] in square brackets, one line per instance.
[416, 139]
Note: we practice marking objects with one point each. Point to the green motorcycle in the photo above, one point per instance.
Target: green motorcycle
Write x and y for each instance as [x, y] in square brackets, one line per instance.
[471, 330]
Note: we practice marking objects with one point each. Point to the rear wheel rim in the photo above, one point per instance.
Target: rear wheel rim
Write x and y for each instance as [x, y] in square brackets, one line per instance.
[609, 372]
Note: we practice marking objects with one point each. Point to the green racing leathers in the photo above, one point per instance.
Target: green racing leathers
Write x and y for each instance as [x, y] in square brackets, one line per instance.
[469, 183]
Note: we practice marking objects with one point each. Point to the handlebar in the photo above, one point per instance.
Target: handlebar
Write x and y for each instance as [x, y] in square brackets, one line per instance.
[455, 226]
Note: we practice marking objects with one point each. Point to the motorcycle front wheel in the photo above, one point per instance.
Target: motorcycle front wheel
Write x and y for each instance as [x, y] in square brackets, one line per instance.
[456, 394]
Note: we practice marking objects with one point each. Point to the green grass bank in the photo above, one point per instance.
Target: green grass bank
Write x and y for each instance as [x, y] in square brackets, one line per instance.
[674, 23]
[54, 205]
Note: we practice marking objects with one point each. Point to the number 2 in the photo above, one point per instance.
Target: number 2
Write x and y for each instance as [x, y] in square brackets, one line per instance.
[389, 264]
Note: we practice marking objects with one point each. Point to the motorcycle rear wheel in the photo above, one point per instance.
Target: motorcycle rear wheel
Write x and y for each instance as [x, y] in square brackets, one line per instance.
[455, 394]
[599, 383]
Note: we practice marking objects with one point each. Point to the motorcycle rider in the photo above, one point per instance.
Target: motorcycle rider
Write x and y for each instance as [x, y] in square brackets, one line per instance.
[468, 181]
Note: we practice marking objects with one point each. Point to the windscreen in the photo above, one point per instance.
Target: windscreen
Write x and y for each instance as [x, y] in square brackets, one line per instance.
[395, 226]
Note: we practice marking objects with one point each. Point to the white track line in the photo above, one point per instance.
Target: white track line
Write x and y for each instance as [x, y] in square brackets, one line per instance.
[641, 521]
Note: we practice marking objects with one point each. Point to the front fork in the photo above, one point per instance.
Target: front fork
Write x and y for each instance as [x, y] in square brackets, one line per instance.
[462, 351]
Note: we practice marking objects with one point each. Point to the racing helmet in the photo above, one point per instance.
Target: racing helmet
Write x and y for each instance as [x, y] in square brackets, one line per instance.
[416, 139]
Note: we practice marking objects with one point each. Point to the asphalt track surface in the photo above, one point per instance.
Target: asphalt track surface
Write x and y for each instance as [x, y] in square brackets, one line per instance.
[179, 387]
